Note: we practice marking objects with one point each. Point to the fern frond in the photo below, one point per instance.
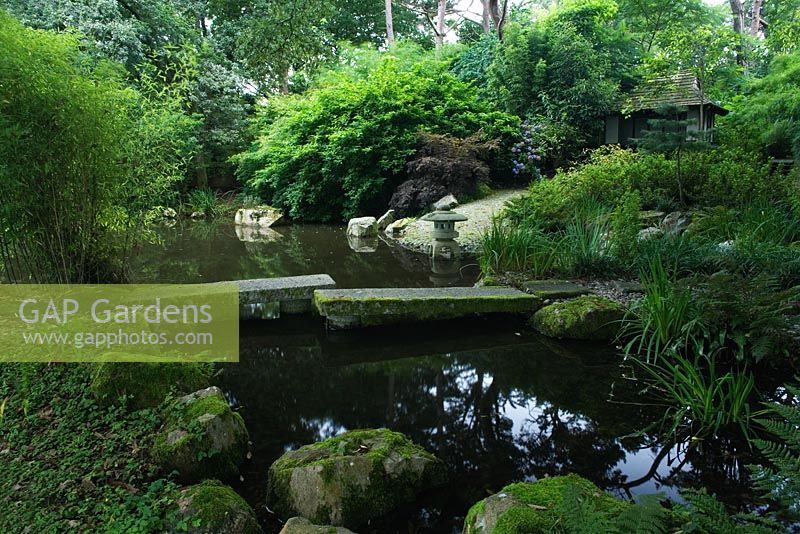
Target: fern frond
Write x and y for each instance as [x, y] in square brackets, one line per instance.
[646, 517]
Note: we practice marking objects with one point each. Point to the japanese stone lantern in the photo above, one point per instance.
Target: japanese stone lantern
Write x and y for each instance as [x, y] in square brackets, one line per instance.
[444, 232]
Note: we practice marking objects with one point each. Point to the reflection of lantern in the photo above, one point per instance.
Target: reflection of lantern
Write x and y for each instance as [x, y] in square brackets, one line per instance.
[444, 232]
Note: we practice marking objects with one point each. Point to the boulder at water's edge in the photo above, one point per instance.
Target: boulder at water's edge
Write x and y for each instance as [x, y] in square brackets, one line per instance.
[352, 478]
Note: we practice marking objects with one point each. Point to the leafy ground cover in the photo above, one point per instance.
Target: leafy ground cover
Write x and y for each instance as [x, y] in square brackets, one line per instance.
[71, 465]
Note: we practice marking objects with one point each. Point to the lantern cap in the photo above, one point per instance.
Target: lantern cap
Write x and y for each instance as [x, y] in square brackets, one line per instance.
[444, 216]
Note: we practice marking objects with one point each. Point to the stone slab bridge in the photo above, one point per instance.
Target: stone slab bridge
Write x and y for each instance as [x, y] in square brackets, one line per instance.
[268, 298]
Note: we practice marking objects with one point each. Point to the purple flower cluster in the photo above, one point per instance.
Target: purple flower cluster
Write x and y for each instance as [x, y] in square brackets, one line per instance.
[526, 155]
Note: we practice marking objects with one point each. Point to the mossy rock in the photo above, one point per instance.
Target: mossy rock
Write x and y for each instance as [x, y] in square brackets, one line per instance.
[534, 507]
[586, 317]
[212, 507]
[352, 478]
[202, 438]
[147, 384]
[301, 525]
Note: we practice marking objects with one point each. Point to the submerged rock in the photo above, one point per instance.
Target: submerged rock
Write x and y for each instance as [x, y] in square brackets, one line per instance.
[586, 317]
[301, 525]
[352, 478]
[385, 220]
[145, 385]
[203, 437]
[212, 507]
[262, 216]
[536, 507]
[362, 227]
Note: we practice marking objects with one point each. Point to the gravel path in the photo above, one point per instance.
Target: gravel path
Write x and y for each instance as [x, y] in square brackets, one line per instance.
[417, 235]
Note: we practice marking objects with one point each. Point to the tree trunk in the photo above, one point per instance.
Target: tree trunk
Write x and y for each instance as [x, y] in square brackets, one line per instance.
[389, 24]
[486, 17]
[738, 27]
[440, 25]
[202, 173]
[755, 23]
[285, 82]
[498, 14]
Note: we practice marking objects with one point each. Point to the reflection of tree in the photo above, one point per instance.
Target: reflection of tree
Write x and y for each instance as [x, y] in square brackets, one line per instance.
[203, 251]
[558, 442]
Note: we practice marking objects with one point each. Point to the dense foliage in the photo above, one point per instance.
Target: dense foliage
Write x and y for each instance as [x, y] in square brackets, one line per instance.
[766, 119]
[341, 149]
[84, 158]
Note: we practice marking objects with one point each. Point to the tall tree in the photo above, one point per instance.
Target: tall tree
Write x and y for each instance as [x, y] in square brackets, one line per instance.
[440, 24]
[648, 20]
[389, 24]
[498, 10]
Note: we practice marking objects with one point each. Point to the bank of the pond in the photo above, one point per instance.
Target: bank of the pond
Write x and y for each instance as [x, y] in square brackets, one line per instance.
[479, 213]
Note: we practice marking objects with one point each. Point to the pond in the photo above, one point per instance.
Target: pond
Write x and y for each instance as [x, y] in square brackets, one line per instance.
[210, 252]
[495, 401]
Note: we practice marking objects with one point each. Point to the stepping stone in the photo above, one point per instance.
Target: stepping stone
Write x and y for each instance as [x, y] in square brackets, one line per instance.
[353, 308]
[267, 298]
[554, 289]
[626, 287]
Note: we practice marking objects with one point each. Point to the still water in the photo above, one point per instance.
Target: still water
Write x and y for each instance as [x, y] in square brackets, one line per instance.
[496, 402]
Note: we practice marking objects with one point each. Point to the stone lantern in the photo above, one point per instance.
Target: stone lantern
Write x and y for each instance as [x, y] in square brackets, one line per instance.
[444, 232]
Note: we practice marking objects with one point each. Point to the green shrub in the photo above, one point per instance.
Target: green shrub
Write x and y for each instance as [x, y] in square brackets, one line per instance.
[341, 148]
[709, 178]
[608, 174]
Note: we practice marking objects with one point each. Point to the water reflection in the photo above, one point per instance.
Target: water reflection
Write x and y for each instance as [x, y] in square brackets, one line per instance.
[204, 251]
[496, 404]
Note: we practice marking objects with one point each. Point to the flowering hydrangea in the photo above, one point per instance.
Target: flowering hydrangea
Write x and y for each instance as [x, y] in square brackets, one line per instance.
[526, 154]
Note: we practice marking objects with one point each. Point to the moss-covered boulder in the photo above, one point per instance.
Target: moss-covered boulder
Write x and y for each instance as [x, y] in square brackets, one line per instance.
[147, 384]
[352, 478]
[202, 437]
[534, 507]
[301, 525]
[586, 317]
[212, 507]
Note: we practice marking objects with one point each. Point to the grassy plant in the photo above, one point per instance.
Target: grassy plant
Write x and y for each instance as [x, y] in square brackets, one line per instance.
[517, 248]
[664, 320]
[207, 202]
[585, 248]
[699, 397]
[681, 255]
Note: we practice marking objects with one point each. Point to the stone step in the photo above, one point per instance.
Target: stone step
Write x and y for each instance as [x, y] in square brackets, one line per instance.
[354, 308]
[555, 289]
[267, 298]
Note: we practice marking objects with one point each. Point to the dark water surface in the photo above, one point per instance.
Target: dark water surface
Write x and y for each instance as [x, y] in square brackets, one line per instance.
[207, 252]
[497, 403]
